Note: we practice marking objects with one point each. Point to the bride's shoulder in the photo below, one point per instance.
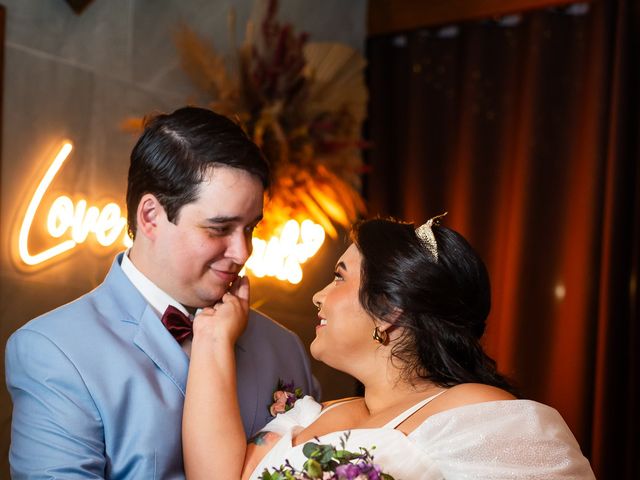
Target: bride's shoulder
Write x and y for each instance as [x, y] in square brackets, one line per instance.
[472, 403]
[494, 432]
[454, 398]
[470, 393]
[332, 403]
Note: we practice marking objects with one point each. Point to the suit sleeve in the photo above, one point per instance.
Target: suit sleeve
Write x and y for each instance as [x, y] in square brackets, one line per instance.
[56, 430]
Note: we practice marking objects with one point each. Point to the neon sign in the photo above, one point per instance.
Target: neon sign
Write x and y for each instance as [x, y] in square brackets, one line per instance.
[106, 224]
[280, 257]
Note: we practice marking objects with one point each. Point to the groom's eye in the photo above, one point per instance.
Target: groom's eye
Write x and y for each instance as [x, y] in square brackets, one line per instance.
[219, 230]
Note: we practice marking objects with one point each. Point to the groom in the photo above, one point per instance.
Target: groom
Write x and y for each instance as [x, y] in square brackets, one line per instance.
[98, 385]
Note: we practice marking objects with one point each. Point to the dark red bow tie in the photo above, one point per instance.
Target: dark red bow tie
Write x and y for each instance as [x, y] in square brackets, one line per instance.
[178, 324]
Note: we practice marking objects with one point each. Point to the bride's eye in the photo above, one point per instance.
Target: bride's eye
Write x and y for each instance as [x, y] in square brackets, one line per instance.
[337, 276]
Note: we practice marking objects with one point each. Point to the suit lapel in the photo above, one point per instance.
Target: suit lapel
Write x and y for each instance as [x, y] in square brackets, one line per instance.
[158, 344]
[151, 337]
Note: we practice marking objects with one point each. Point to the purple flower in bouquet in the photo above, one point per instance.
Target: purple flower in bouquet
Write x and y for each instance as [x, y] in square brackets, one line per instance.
[359, 470]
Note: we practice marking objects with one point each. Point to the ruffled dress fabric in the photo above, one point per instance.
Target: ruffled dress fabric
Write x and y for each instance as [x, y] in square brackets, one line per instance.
[513, 439]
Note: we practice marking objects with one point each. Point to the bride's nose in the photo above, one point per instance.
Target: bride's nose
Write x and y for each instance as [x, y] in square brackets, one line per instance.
[317, 299]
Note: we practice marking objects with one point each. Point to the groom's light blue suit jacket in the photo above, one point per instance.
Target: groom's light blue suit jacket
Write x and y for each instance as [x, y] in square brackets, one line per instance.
[98, 386]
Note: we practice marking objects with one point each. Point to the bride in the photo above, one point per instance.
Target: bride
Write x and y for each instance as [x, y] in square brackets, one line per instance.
[404, 315]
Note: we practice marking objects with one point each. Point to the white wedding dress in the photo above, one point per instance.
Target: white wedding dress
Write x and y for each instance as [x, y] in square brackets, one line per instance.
[493, 440]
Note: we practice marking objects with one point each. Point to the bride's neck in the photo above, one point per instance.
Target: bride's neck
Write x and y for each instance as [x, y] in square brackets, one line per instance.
[383, 393]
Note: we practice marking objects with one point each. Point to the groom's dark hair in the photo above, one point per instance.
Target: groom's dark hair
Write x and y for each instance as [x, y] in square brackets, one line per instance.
[175, 153]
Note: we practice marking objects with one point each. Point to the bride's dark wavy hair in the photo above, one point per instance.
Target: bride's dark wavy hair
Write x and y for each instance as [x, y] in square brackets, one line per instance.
[441, 306]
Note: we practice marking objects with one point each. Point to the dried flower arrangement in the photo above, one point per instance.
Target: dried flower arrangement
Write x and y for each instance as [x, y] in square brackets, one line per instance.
[303, 103]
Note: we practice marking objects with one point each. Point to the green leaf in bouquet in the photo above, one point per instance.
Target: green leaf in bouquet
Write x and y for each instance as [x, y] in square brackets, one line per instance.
[344, 439]
[313, 468]
[331, 466]
[345, 456]
[327, 452]
[309, 450]
[267, 476]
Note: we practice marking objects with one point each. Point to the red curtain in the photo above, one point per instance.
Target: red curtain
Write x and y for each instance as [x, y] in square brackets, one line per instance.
[525, 129]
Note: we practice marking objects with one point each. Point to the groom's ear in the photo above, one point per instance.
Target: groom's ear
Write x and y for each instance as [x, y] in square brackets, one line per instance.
[148, 215]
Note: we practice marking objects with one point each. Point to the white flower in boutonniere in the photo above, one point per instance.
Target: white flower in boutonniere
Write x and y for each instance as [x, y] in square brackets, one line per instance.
[284, 397]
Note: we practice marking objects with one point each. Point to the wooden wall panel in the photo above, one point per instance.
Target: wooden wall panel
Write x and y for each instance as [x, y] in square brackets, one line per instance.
[387, 16]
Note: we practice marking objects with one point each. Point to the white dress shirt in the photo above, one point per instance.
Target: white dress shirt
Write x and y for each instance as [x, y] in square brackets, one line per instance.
[154, 295]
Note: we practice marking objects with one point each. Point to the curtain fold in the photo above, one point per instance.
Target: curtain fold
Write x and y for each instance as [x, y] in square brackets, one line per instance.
[525, 129]
[617, 377]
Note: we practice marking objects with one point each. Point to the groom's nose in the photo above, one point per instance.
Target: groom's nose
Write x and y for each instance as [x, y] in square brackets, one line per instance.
[239, 248]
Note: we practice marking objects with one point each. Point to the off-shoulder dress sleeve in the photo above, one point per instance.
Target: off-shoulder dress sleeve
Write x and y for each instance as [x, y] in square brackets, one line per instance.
[304, 413]
[502, 440]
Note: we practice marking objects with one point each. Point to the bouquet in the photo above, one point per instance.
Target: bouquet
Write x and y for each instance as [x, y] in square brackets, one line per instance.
[326, 462]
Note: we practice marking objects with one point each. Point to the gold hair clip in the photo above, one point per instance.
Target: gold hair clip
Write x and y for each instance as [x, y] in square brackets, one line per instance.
[425, 234]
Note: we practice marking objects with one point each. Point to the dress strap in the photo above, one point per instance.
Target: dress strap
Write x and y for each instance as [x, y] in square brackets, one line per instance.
[410, 411]
[338, 402]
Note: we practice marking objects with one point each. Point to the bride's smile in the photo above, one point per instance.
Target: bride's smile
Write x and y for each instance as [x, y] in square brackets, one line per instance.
[343, 336]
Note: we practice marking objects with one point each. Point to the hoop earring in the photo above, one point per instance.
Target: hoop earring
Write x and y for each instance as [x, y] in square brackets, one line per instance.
[382, 337]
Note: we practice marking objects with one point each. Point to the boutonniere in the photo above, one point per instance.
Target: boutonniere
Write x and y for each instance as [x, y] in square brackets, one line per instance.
[284, 397]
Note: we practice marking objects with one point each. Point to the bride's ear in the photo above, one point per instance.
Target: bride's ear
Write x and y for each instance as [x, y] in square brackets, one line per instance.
[389, 320]
[393, 316]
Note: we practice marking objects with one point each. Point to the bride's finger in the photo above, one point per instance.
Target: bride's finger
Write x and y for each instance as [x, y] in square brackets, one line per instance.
[227, 302]
[242, 289]
[234, 285]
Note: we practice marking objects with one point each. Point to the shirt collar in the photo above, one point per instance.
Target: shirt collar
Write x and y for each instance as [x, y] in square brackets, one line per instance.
[156, 297]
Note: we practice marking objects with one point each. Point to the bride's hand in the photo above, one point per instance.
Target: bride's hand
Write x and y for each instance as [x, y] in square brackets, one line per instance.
[211, 420]
[227, 319]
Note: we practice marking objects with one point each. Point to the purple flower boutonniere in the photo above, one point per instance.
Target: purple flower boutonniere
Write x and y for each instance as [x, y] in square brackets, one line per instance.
[284, 397]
